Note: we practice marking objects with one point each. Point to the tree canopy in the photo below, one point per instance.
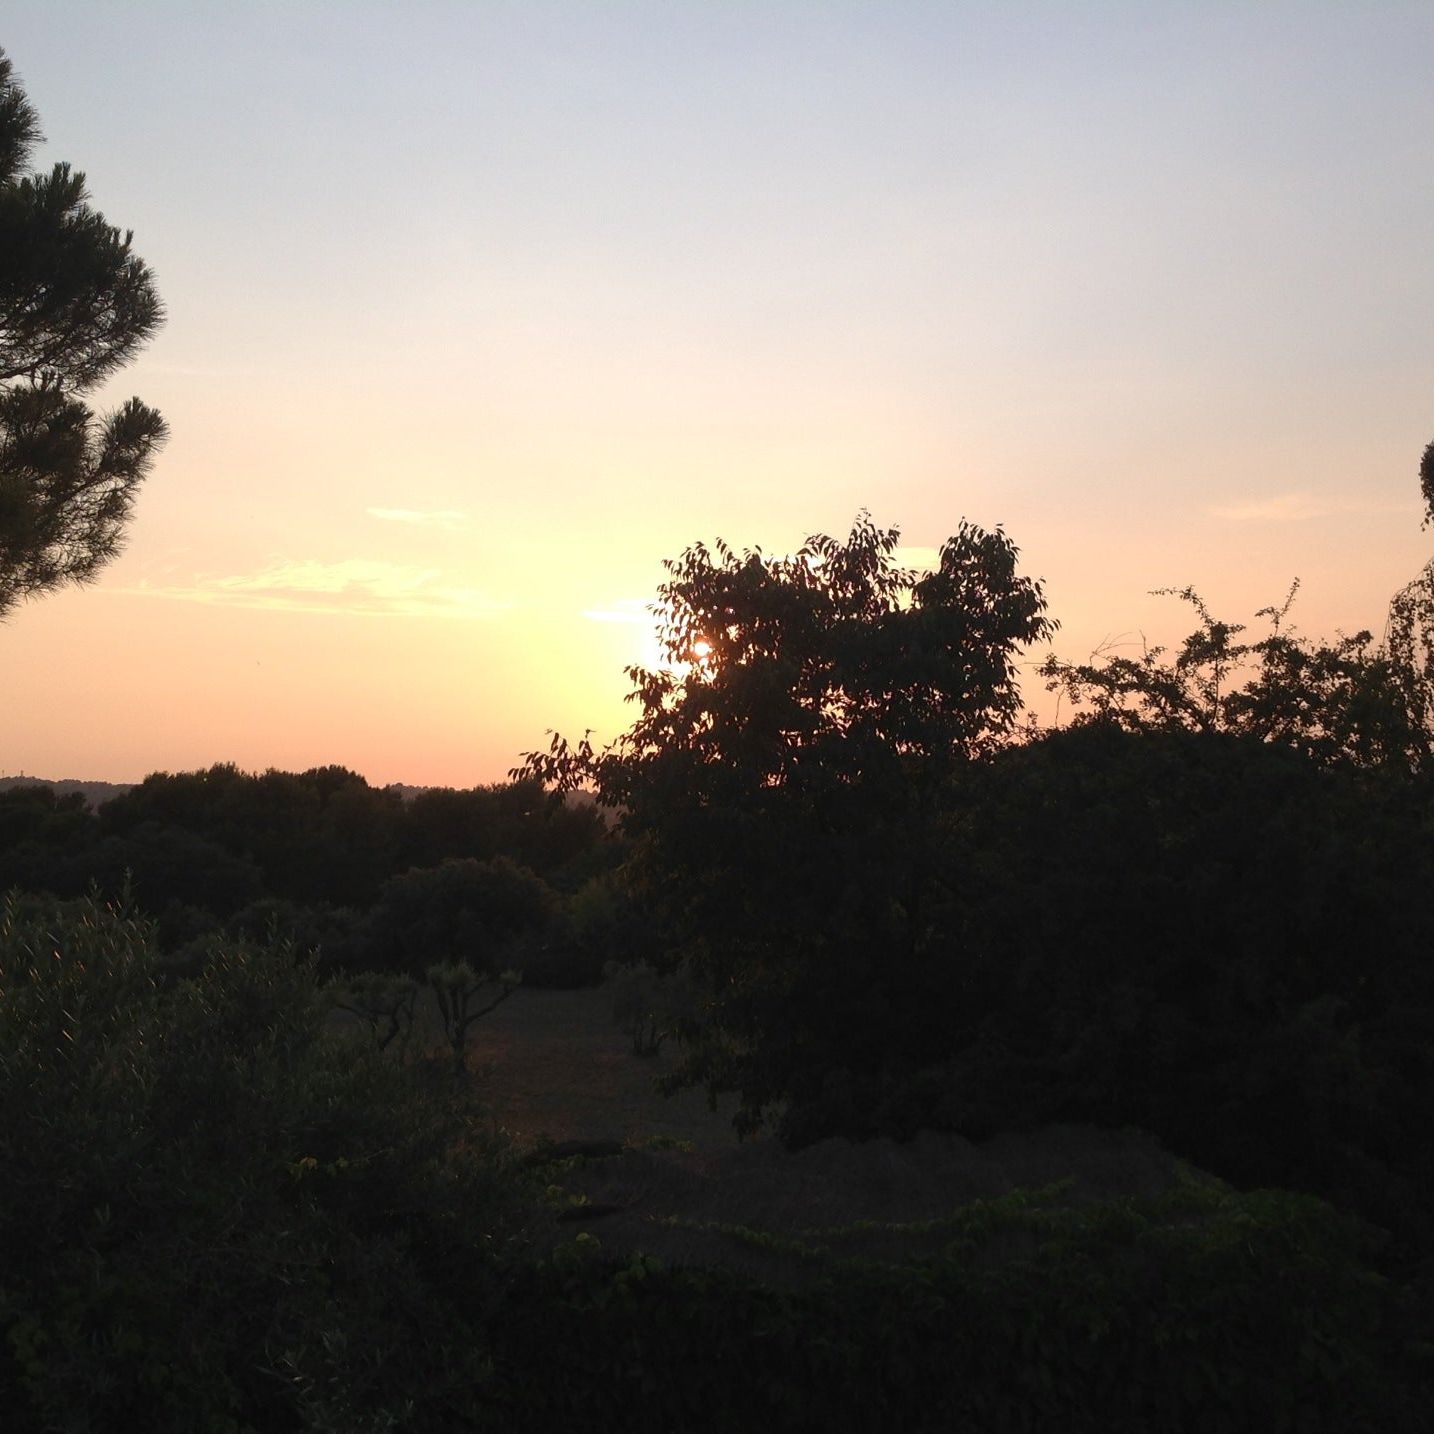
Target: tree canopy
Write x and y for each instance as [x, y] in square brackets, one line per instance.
[75, 305]
[782, 782]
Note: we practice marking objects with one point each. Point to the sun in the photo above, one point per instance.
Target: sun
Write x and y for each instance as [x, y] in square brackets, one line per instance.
[701, 648]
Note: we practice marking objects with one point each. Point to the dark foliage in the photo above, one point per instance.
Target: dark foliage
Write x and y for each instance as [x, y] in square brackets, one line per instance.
[460, 910]
[1200, 1310]
[1208, 937]
[1214, 939]
[214, 1217]
[781, 785]
[75, 305]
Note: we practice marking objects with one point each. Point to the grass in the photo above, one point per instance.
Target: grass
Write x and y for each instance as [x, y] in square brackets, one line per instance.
[554, 1065]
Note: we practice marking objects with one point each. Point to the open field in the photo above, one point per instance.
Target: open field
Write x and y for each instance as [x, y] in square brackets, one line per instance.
[554, 1065]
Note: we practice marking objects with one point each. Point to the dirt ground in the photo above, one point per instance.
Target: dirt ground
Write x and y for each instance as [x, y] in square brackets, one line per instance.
[553, 1067]
[681, 1206]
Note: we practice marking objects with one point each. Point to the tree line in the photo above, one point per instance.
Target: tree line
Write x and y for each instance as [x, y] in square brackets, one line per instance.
[326, 861]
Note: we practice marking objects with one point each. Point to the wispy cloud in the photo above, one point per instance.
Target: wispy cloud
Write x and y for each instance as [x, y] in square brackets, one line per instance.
[916, 557]
[1297, 507]
[353, 587]
[448, 520]
[623, 610]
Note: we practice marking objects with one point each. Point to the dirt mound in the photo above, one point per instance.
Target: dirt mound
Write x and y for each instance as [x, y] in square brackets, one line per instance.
[693, 1207]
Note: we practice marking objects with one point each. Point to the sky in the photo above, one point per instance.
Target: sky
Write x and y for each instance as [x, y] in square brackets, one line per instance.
[479, 311]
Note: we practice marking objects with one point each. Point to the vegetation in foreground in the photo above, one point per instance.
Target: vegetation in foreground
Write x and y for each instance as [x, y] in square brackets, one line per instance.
[214, 1214]
[219, 1215]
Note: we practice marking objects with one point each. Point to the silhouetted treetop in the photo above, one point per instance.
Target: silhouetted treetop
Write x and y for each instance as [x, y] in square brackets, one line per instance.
[1346, 702]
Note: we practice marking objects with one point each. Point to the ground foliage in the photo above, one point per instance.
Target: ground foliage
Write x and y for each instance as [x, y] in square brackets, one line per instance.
[1197, 1310]
[1211, 938]
[212, 1214]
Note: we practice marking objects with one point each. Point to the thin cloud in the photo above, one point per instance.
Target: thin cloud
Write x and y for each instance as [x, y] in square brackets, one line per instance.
[623, 610]
[1298, 507]
[917, 557]
[448, 520]
[355, 587]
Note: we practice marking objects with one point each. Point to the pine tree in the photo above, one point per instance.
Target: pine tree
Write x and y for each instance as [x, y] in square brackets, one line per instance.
[75, 305]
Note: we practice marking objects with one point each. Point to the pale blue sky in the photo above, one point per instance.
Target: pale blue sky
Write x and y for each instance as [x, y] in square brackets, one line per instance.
[1149, 284]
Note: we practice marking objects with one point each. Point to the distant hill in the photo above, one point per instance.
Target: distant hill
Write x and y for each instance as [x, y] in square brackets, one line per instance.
[95, 793]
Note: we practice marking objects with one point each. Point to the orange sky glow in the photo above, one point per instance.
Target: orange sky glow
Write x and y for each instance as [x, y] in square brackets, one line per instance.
[478, 312]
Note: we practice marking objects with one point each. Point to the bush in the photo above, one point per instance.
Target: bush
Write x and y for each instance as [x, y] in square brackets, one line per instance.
[1197, 1310]
[650, 1006]
[215, 1216]
[600, 924]
[459, 910]
[1208, 937]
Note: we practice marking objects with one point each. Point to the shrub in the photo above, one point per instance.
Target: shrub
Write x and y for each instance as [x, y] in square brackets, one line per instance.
[649, 1006]
[1197, 1310]
[215, 1216]
[459, 910]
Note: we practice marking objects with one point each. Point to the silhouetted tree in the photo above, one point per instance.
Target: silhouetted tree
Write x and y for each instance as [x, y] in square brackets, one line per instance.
[75, 305]
[1410, 636]
[43, 836]
[783, 785]
[1348, 702]
[459, 911]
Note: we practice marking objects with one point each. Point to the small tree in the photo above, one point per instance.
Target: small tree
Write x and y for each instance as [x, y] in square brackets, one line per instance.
[460, 992]
[75, 305]
[386, 1004]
